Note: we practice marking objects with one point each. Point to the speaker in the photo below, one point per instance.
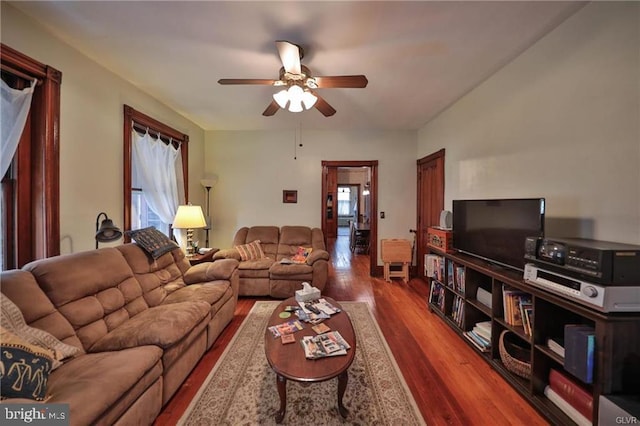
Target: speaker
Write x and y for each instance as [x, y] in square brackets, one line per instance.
[446, 219]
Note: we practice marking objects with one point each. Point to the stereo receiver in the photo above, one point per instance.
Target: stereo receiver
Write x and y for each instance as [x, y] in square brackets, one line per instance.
[599, 297]
[601, 262]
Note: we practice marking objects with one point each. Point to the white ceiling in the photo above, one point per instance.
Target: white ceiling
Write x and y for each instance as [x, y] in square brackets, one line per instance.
[419, 57]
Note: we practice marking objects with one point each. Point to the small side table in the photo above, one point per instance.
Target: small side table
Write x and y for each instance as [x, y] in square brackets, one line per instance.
[200, 258]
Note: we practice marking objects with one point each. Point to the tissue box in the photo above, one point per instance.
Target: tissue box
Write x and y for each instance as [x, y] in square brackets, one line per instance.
[307, 293]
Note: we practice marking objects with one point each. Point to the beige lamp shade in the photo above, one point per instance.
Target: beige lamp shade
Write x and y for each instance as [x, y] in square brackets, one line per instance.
[189, 217]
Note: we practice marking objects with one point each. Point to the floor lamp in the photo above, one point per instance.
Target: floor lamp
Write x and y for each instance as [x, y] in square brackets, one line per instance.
[208, 183]
[106, 231]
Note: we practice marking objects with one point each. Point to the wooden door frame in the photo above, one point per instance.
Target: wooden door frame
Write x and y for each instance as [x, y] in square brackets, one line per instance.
[438, 200]
[373, 165]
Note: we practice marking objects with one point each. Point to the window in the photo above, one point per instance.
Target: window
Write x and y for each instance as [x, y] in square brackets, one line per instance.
[138, 213]
[29, 201]
[344, 201]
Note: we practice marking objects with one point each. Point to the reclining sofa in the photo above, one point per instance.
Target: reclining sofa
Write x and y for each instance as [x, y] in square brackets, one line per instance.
[265, 274]
[138, 324]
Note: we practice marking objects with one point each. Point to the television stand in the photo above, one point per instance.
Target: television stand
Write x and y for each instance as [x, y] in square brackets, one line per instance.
[453, 297]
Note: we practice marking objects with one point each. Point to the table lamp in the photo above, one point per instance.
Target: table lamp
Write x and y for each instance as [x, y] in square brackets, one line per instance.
[189, 217]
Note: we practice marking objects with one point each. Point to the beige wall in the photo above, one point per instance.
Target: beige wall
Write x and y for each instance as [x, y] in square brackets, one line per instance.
[91, 122]
[561, 121]
[254, 168]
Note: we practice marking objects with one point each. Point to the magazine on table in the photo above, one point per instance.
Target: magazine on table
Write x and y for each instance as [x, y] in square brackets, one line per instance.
[315, 311]
[324, 345]
[288, 327]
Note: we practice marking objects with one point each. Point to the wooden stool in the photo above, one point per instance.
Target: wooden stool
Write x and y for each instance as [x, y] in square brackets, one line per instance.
[395, 251]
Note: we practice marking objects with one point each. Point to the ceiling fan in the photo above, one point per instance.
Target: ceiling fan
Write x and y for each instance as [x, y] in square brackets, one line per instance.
[298, 85]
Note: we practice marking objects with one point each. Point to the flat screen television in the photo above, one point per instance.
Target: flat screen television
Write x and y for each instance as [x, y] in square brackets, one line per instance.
[495, 230]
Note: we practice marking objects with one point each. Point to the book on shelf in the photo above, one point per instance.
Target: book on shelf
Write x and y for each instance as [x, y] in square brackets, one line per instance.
[477, 341]
[512, 300]
[569, 390]
[526, 313]
[450, 275]
[579, 351]
[556, 345]
[436, 295]
[482, 332]
[440, 271]
[566, 408]
[457, 310]
[324, 345]
[484, 297]
[460, 279]
[430, 265]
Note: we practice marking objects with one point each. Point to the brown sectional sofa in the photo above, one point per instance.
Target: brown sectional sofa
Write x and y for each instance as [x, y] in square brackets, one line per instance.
[269, 277]
[141, 325]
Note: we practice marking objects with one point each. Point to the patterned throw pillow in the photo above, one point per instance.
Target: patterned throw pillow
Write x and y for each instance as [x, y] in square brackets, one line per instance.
[152, 241]
[25, 368]
[12, 320]
[301, 254]
[251, 251]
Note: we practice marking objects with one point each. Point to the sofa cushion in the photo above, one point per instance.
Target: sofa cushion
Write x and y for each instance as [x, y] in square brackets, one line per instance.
[268, 236]
[291, 271]
[250, 251]
[25, 367]
[152, 241]
[157, 277]
[162, 325]
[100, 387]
[12, 320]
[94, 290]
[222, 269]
[210, 292]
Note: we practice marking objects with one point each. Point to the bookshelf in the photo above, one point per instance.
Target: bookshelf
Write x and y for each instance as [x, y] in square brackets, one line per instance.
[456, 298]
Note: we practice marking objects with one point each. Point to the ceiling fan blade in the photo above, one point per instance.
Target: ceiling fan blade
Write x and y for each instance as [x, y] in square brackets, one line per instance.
[264, 81]
[290, 56]
[271, 109]
[323, 106]
[339, 81]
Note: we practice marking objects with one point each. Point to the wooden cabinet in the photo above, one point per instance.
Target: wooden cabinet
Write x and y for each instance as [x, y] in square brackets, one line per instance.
[455, 296]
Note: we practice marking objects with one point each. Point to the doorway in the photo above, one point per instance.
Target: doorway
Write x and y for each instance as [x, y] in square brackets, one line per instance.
[342, 174]
[430, 201]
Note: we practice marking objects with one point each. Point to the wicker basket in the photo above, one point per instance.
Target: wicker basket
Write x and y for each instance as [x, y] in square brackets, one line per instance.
[513, 356]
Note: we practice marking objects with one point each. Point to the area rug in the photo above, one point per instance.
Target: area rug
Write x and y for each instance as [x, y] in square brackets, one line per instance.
[241, 388]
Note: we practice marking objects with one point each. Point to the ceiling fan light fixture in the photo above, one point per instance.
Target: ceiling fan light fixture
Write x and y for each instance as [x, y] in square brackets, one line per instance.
[309, 99]
[295, 106]
[296, 94]
[281, 98]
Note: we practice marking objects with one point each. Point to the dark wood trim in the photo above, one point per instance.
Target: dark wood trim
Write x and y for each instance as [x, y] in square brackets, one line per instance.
[436, 201]
[373, 165]
[38, 218]
[136, 119]
[431, 157]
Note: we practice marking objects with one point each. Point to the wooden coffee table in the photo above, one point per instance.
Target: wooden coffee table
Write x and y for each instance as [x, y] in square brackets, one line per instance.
[289, 363]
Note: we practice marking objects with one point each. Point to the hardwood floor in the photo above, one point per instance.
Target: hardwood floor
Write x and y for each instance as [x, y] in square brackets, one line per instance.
[451, 384]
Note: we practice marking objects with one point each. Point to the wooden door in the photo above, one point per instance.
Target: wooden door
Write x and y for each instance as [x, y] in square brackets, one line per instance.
[430, 201]
[330, 201]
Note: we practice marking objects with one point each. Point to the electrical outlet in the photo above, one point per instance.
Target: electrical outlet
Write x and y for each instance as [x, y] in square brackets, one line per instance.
[381, 215]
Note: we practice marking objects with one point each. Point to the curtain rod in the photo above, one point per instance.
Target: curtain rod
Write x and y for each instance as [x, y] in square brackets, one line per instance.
[137, 126]
[20, 74]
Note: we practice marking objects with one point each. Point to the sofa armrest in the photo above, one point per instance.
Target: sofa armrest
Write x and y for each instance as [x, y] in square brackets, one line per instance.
[221, 269]
[316, 255]
[229, 253]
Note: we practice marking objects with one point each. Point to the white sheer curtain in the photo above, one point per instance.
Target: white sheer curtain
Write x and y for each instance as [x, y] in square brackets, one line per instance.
[15, 108]
[158, 171]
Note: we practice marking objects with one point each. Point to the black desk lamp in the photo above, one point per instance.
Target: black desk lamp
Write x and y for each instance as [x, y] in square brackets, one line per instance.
[107, 231]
